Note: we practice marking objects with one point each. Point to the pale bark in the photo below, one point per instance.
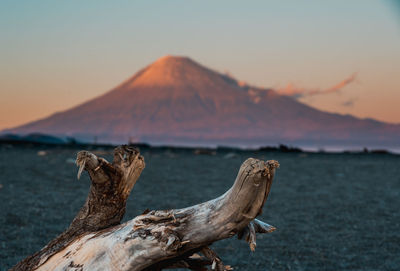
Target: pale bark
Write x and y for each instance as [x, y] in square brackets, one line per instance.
[161, 239]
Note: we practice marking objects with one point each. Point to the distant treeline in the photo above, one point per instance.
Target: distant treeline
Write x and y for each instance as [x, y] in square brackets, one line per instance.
[45, 140]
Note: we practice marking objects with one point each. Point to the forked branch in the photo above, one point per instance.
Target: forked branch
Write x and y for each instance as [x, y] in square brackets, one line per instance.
[158, 240]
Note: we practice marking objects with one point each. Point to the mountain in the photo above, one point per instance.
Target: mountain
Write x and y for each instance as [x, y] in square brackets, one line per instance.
[178, 101]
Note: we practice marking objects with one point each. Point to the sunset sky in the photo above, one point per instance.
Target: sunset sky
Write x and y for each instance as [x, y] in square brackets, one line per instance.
[339, 56]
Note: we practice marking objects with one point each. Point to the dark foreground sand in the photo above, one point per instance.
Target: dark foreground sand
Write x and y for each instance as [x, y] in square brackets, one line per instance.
[332, 211]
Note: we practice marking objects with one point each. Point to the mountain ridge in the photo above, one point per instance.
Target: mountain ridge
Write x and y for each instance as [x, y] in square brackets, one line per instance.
[175, 100]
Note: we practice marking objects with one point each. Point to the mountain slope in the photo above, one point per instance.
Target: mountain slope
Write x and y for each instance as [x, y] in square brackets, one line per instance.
[177, 101]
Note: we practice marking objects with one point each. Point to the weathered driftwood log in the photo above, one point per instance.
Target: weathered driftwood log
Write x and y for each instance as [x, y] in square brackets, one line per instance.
[111, 184]
[154, 240]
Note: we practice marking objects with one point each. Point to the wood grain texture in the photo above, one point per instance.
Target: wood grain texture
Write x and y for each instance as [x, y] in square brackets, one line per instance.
[155, 240]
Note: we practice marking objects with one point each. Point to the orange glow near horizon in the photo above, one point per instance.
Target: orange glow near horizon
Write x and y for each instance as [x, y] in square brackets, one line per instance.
[58, 55]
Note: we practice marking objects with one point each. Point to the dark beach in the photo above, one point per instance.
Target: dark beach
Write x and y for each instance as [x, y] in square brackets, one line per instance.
[332, 211]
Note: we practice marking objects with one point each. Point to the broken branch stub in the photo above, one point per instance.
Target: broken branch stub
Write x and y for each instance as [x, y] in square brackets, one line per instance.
[166, 239]
[105, 205]
[111, 186]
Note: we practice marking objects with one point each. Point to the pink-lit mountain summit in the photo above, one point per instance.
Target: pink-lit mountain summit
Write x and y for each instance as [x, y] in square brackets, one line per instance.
[178, 101]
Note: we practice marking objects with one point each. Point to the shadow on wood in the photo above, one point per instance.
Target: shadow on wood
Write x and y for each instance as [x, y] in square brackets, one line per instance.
[155, 240]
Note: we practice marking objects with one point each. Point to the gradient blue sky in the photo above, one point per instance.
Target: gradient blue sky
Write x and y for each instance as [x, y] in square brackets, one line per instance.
[57, 54]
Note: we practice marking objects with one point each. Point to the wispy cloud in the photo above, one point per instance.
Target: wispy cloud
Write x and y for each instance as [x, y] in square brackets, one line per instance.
[295, 92]
[349, 103]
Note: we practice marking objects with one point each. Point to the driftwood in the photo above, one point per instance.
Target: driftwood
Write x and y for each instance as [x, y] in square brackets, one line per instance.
[155, 240]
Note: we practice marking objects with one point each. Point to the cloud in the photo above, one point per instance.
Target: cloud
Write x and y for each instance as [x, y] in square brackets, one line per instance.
[342, 84]
[349, 103]
[295, 92]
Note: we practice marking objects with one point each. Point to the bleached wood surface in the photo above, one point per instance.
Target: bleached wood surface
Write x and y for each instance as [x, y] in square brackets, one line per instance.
[158, 239]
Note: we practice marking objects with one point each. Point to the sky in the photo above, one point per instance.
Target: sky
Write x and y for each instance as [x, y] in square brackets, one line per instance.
[339, 56]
